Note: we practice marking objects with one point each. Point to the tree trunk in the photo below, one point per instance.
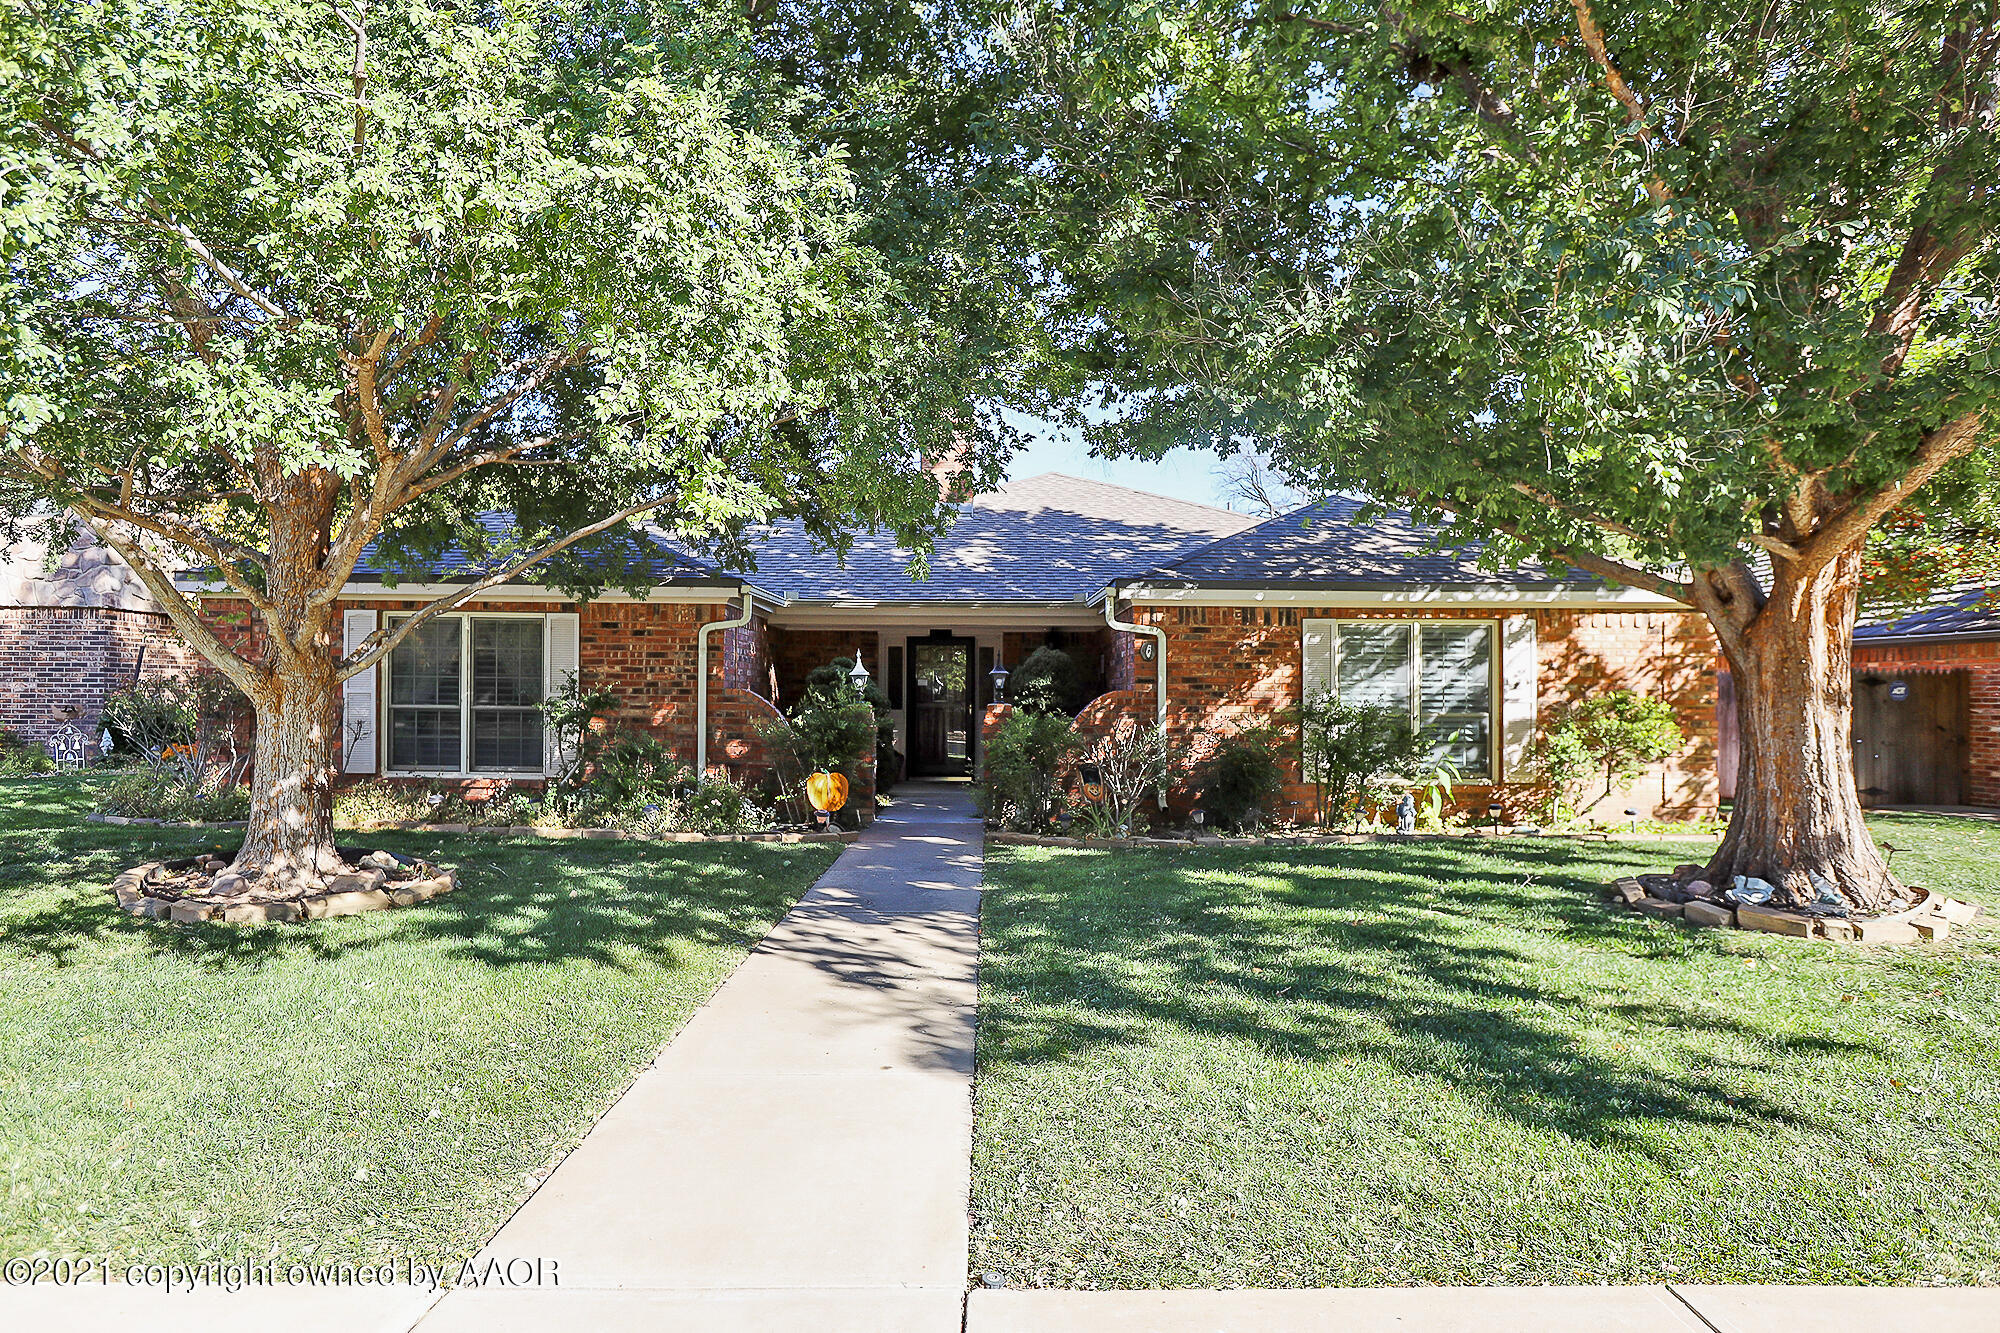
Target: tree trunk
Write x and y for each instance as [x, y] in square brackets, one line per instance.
[1797, 815]
[290, 839]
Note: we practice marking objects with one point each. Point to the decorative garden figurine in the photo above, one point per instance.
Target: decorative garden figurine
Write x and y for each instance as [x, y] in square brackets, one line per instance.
[1406, 814]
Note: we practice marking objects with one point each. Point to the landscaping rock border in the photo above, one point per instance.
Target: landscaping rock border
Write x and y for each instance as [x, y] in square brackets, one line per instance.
[370, 890]
[521, 831]
[1933, 917]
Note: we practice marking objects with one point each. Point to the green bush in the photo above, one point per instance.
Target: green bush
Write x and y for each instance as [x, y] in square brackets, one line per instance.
[1047, 681]
[151, 794]
[19, 758]
[1238, 783]
[1025, 760]
[1356, 753]
[832, 680]
[397, 801]
[1614, 735]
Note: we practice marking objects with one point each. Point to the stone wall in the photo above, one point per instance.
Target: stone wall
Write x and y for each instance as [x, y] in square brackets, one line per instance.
[58, 662]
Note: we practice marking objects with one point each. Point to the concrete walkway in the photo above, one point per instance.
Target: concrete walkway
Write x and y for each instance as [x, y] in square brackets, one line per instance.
[799, 1156]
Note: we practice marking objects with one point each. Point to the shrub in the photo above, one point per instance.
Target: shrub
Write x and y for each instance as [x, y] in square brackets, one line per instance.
[832, 680]
[155, 794]
[1241, 778]
[184, 727]
[386, 801]
[1356, 753]
[19, 757]
[1615, 734]
[1025, 759]
[1130, 762]
[1047, 681]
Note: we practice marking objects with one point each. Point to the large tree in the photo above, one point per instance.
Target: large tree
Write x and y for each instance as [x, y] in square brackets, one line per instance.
[1694, 296]
[286, 281]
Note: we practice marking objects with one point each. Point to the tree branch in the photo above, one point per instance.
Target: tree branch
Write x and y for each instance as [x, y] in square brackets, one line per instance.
[1941, 446]
[186, 618]
[375, 647]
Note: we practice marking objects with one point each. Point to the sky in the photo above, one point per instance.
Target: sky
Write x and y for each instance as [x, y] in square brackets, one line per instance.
[1184, 474]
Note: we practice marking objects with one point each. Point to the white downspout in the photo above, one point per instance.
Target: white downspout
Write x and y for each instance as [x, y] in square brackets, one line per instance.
[701, 680]
[1159, 650]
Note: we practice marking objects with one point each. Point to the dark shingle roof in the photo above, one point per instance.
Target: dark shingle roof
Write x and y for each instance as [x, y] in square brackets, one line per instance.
[651, 554]
[1046, 538]
[1962, 613]
[1323, 545]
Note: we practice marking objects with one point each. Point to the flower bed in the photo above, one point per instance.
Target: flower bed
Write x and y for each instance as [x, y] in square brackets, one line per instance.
[1315, 838]
[527, 831]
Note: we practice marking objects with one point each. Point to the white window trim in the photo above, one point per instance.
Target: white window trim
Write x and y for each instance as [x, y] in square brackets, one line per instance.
[465, 769]
[1494, 679]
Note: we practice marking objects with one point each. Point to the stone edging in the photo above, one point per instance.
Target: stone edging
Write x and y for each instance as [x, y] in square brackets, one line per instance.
[1007, 839]
[518, 831]
[368, 892]
[1933, 917]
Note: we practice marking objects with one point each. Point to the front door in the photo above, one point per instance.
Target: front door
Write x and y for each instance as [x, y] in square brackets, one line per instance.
[940, 705]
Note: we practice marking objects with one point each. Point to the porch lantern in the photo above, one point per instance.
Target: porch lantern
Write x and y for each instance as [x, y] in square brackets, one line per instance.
[859, 676]
[998, 675]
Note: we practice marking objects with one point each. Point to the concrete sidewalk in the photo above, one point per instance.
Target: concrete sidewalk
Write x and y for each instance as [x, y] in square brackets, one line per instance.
[799, 1156]
[1676, 1309]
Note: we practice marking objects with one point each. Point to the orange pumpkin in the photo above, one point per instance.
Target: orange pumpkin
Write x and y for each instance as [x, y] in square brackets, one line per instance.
[827, 791]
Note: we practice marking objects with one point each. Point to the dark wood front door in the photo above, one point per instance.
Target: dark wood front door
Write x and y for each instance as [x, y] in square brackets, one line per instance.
[939, 691]
[1913, 749]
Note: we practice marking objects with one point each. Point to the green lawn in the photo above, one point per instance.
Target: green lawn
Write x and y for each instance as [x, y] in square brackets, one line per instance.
[1449, 1064]
[351, 1089]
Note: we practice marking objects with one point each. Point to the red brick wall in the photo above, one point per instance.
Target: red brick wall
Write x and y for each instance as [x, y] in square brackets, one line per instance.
[643, 652]
[795, 653]
[1232, 667]
[1669, 656]
[746, 658]
[57, 658]
[1981, 661]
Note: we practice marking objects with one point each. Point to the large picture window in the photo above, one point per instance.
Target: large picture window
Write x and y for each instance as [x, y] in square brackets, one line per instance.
[1441, 671]
[465, 696]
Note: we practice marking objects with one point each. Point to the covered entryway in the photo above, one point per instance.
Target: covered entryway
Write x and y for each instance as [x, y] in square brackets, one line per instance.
[1912, 734]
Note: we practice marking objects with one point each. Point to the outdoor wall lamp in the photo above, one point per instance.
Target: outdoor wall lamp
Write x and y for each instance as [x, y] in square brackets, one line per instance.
[998, 675]
[859, 676]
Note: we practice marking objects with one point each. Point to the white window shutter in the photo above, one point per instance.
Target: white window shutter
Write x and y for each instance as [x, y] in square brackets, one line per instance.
[1519, 681]
[357, 698]
[560, 648]
[1317, 663]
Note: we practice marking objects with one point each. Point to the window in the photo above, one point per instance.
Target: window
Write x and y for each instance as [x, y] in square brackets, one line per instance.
[444, 718]
[1442, 671]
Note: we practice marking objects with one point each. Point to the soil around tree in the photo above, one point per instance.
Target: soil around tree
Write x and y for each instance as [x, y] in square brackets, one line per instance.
[205, 888]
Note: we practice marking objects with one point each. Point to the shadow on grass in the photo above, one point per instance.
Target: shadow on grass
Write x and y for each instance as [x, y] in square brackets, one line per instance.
[1468, 966]
[520, 902]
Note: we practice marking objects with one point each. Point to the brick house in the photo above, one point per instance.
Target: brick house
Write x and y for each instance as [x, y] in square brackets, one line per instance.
[1199, 616]
[74, 627]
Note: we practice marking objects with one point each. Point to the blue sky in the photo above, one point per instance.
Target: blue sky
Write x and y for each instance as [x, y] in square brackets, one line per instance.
[1184, 474]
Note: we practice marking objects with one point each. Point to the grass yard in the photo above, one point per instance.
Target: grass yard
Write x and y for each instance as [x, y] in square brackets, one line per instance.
[355, 1089]
[1437, 1063]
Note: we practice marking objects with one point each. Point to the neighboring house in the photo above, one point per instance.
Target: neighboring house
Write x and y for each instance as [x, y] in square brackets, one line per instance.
[74, 627]
[1234, 616]
[1927, 704]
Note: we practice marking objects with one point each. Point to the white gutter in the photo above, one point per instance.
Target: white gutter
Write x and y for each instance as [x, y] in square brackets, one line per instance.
[1159, 651]
[701, 679]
